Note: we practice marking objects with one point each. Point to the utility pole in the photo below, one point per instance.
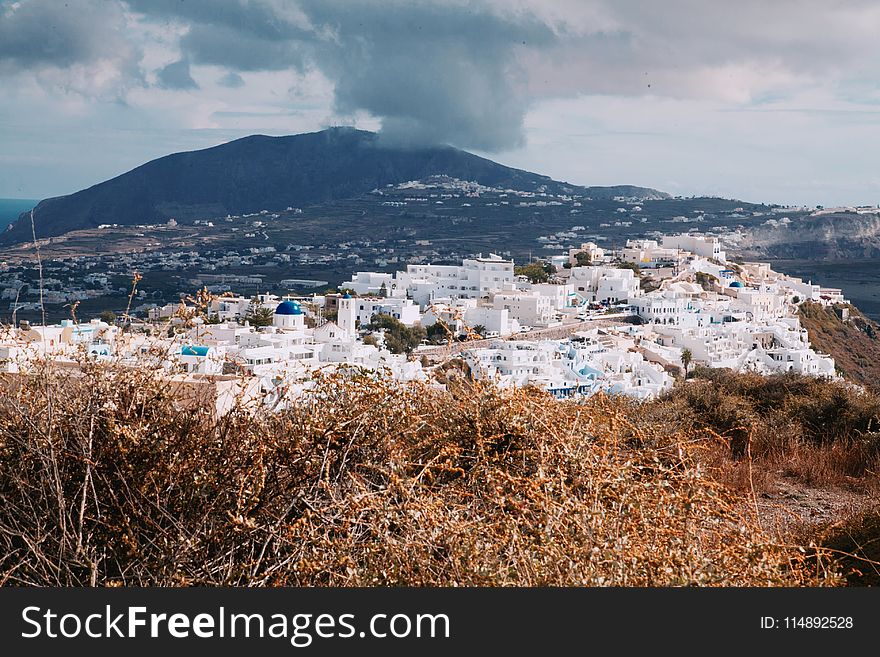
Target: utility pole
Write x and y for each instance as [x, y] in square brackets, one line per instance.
[39, 268]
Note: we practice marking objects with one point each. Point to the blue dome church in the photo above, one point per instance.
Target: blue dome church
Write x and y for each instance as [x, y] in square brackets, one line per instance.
[288, 315]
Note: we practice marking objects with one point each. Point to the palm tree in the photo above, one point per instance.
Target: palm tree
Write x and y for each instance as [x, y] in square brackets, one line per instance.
[686, 357]
[259, 316]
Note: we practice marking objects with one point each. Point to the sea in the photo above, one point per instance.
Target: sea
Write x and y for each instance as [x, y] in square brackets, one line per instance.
[858, 278]
[10, 208]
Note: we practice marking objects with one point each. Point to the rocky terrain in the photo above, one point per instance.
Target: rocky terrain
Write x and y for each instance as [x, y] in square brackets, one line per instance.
[849, 336]
[821, 236]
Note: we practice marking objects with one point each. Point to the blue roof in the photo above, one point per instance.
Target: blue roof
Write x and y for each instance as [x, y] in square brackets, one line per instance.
[588, 371]
[346, 296]
[736, 284]
[288, 308]
[191, 350]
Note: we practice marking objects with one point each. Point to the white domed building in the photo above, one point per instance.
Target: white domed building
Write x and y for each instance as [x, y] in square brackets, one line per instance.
[289, 316]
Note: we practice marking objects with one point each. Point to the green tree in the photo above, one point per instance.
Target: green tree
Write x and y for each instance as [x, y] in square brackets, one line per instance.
[686, 358]
[536, 272]
[479, 329]
[108, 317]
[438, 333]
[630, 265]
[259, 316]
[582, 258]
[399, 338]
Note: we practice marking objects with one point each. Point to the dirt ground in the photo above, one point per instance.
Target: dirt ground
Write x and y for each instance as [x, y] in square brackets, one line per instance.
[844, 520]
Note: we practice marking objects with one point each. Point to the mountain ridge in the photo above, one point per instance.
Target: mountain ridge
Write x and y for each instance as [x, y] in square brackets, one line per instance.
[262, 172]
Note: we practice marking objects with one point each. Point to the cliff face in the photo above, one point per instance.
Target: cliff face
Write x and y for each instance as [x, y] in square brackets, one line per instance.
[828, 237]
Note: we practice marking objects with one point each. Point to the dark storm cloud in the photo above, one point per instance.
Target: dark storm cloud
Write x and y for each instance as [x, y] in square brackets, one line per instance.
[244, 35]
[240, 50]
[458, 71]
[176, 76]
[36, 33]
[264, 19]
[433, 72]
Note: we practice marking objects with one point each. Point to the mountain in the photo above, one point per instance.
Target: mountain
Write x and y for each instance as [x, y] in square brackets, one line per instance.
[259, 172]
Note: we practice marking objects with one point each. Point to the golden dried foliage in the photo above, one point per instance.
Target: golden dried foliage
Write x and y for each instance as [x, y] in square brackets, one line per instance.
[105, 479]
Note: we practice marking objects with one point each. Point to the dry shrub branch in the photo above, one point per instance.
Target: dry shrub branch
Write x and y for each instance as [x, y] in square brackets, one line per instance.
[360, 482]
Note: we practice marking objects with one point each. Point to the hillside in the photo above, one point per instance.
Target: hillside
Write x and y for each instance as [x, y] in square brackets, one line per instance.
[274, 173]
[854, 343]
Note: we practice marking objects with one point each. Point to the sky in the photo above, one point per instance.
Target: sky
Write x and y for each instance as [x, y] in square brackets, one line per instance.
[775, 102]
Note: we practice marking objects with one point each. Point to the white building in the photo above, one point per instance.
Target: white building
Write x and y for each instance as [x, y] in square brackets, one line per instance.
[64, 341]
[701, 245]
[403, 310]
[227, 308]
[347, 316]
[561, 295]
[497, 321]
[289, 316]
[580, 366]
[365, 283]
[527, 309]
[604, 284]
[475, 278]
[667, 308]
[595, 253]
[649, 254]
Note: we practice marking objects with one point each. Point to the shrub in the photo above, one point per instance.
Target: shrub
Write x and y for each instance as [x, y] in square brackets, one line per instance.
[107, 478]
[781, 417]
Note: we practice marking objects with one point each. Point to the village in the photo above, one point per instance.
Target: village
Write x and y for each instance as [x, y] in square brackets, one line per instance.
[626, 322]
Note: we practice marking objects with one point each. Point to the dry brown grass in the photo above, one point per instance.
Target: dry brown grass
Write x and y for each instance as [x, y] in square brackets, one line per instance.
[854, 543]
[819, 432]
[104, 480]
